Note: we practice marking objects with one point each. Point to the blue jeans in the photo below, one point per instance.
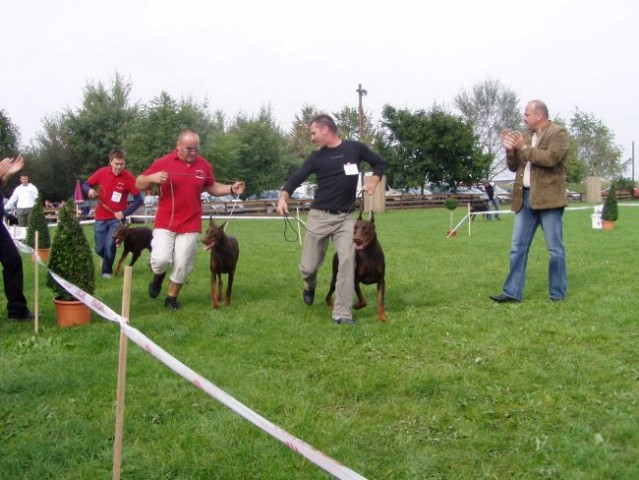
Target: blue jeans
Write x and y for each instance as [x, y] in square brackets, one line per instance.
[495, 204]
[526, 222]
[104, 243]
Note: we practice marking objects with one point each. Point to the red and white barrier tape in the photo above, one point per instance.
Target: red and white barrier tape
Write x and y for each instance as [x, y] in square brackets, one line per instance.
[299, 446]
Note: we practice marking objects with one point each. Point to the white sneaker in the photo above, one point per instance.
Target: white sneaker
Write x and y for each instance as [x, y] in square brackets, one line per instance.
[107, 275]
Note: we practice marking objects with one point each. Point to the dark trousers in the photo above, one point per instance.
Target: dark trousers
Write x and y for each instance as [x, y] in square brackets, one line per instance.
[12, 275]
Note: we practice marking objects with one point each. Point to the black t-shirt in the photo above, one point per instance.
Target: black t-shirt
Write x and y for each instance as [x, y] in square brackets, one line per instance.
[489, 191]
[335, 189]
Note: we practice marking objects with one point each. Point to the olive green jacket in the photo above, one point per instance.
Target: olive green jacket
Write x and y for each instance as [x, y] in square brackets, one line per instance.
[549, 160]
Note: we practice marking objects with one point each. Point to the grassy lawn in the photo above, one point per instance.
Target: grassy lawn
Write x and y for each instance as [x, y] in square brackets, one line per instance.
[454, 386]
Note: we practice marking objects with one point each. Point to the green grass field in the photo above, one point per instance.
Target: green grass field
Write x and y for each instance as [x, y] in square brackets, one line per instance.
[454, 386]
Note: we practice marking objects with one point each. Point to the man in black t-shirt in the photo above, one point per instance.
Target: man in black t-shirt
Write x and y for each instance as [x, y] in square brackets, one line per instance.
[336, 164]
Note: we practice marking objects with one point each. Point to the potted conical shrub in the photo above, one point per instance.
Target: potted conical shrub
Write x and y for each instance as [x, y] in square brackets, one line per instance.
[71, 259]
[38, 223]
[610, 211]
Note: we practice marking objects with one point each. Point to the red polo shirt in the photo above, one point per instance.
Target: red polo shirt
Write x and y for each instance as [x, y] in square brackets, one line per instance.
[179, 205]
[113, 193]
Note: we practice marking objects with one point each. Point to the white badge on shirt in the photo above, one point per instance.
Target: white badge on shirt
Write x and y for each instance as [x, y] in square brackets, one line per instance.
[116, 196]
[351, 169]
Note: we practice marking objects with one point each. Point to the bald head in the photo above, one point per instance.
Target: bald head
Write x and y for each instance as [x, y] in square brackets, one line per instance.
[188, 144]
[536, 115]
[539, 107]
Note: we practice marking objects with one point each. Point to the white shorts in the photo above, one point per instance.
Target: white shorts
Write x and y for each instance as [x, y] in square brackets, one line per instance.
[176, 248]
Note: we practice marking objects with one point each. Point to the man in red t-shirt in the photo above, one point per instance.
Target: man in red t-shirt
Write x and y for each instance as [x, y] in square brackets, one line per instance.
[182, 175]
[115, 184]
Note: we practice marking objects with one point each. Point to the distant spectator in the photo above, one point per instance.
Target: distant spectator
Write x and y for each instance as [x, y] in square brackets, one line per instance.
[23, 198]
[149, 211]
[493, 201]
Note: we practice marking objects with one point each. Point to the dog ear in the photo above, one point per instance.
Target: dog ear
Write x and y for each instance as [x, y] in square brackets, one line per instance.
[359, 217]
[223, 227]
[372, 217]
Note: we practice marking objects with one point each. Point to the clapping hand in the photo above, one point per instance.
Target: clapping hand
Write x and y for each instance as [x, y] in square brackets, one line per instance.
[9, 166]
[512, 140]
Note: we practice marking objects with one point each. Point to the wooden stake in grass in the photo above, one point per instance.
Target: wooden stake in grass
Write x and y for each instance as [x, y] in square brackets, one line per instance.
[36, 305]
[119, 408]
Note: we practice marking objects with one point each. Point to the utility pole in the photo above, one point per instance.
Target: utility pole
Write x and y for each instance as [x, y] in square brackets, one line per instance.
[361, 93]
[633, 163]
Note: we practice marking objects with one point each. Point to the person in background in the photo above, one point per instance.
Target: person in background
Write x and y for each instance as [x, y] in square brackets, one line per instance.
[539, 159]
[493, 202]
[337, 165]
[149, 211]
[12, 272]
[23, 199]
[182, 176]
[111, 186]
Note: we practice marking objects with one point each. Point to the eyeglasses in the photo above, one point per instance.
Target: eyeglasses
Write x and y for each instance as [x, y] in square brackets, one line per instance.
[191, 149]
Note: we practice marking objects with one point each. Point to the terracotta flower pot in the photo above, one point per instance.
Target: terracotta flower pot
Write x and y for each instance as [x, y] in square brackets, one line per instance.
[607, 224]
[44, 254]
[71, 313]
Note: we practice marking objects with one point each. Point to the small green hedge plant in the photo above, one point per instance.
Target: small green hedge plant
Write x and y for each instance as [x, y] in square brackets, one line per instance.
[610, 210]
[38, 223]
[70, 255]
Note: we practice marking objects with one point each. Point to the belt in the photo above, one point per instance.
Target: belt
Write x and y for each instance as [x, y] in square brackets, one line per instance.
[334, 212]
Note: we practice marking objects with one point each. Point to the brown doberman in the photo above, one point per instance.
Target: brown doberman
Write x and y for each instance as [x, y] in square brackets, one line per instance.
[134, 240]
[370, 265]
[225, 252]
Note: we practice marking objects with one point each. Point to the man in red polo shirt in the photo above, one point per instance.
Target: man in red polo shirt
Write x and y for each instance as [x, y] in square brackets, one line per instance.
[111, 186]
[182, 175]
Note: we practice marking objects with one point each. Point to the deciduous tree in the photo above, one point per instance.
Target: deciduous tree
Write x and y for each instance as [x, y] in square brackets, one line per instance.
[155, 130]
[347, 120]
[595, 145]
[433, 146]
[101, 124]
[260, 158]
[298, 137]
[9, 136]
[54, 168]
[490, 107]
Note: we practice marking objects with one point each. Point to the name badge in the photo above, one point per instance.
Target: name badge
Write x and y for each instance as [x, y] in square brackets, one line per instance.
[351, 169]
[115, 198]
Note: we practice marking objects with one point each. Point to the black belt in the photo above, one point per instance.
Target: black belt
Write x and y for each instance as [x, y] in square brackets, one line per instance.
[334, 212]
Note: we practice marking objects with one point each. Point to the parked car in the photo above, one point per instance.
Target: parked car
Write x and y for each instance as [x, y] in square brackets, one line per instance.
[270, 197]
[306, 191]
[621, 193]
[391, 192]
[224, 204]
[570, 195]
[472, 191]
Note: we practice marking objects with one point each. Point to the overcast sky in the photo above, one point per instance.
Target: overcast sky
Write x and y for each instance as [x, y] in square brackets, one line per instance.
[240, 55]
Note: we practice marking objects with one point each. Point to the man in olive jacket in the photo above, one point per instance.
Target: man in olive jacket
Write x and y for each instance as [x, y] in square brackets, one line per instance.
[539, 159]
